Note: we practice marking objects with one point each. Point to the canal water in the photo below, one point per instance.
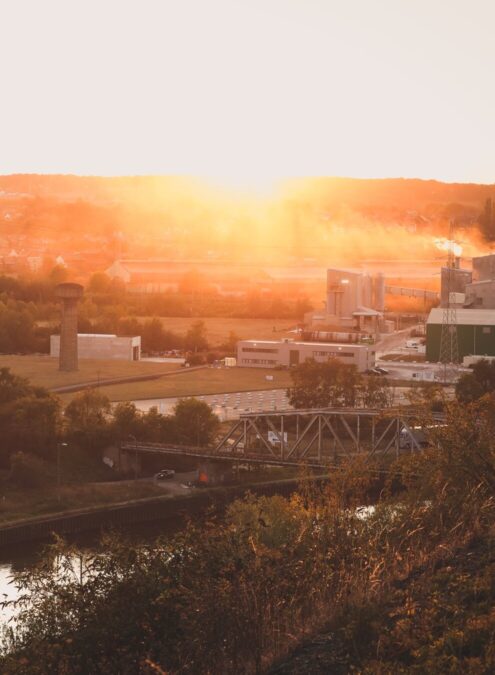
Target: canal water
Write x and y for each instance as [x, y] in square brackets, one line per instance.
[20, 557]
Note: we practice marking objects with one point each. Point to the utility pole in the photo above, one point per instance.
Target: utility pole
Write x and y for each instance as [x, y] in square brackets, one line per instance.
[449, 347]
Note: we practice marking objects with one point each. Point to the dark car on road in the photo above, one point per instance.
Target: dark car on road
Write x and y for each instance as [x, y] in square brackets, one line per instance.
[165, 474]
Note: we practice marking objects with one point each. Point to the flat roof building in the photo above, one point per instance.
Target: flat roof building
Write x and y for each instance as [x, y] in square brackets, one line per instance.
[453, 280]
[102, 346]
[480, 294]
[475, 333]
[287, 353]
[484, 267]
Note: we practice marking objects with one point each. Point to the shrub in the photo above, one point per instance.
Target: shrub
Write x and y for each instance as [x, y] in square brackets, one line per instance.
[27, 471]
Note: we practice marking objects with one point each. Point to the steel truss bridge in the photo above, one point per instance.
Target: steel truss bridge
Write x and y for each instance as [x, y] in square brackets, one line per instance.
[317, 437]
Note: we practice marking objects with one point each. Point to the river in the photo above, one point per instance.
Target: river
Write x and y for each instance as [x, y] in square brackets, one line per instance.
[23, 556]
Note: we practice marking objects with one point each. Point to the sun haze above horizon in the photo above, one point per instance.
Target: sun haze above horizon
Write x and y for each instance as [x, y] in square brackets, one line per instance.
[245, 93]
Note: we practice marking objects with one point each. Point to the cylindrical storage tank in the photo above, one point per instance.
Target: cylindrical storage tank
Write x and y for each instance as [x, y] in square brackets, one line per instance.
[367, 290]
[351, 296]
[330, 336]
[379, 292]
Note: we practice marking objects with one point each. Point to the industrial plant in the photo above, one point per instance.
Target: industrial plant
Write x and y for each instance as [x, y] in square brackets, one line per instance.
[467, 311]
[355, 301]
[346, 329]
[353, 318]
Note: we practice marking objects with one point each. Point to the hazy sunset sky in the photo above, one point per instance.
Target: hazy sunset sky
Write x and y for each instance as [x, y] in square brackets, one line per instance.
[247, 90]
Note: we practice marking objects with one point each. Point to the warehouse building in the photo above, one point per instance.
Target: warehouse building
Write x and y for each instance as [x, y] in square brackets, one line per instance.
[102, 346]
[273, 353]
[475, 333]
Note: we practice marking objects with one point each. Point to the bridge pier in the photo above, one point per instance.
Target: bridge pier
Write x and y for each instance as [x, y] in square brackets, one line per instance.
[212, 473]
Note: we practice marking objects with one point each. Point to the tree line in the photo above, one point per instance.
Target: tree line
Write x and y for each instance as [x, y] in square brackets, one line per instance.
[336, 385]
[33, 423]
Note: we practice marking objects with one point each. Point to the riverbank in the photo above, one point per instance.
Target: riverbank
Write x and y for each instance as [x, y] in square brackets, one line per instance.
[134, 511]
[46, 501]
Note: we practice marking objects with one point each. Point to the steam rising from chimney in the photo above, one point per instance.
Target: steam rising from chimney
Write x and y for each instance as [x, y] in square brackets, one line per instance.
[448, 245]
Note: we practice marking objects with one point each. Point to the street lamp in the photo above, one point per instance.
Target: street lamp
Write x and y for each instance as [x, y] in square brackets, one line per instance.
[59, 445]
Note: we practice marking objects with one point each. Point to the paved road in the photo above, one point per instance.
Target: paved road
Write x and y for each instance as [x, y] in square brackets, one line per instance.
[390, 342]
[415, 371]
[231, 406]
[176, 485]
[227, 406]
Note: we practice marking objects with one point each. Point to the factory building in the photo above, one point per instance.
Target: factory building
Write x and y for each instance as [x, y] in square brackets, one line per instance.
[101, 346]
[480, 294]
[469, 289]
[453, 280]
[355, 300]
[475, 333]
[287, 353]
[484, 267]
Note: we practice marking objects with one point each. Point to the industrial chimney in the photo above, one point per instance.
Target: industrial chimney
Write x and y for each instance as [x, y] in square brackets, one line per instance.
[69, 294]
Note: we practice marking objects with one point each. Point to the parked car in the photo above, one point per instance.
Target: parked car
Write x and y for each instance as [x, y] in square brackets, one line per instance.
[165, 474]
[380, 370]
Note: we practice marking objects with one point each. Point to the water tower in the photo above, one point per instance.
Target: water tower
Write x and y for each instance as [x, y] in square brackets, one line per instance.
[69, 294]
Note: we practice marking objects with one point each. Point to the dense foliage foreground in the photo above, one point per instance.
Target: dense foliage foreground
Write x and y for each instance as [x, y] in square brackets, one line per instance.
[405, 587]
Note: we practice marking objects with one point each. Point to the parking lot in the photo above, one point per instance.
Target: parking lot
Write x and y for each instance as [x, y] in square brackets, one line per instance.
[227, 406]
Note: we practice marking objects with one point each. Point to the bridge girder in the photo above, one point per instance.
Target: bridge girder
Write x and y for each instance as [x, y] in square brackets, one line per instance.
[318, 437]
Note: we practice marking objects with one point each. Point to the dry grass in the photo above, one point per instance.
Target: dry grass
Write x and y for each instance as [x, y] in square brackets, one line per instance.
[43, 370]
[405, 358]
[196, 383]
[218, 329]
[24, 503]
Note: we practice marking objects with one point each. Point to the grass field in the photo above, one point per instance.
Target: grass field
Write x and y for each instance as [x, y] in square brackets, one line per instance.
[218, 329]
[27, 503]
[43, 370]
[197, 382]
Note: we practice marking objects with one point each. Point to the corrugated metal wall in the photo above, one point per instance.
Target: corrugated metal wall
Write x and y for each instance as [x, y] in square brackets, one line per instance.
[471, 340]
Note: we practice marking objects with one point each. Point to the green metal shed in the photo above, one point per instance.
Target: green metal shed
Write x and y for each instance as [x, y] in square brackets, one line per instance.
[475, 332]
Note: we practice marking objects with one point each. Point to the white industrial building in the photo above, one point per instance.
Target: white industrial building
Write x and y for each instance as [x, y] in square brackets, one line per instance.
[273, 353]
[102, 346]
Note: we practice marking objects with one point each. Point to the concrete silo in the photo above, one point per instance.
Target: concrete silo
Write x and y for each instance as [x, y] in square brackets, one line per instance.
[69, 294]
[379, 292]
